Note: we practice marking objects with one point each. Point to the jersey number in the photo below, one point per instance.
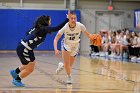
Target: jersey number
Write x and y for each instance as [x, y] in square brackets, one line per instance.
[71, 38]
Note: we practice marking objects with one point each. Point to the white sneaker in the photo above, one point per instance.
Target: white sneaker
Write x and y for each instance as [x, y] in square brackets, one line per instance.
[112, 55]
[93, 54]
[133, 59]
[106, 54]
[96, 54]
[119, 57]
[138, 59]
[60, 67]
[125, 55]
[69, 80]
[102, 54]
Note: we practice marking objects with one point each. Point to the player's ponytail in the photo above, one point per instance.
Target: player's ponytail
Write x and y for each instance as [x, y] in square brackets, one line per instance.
[40, 22]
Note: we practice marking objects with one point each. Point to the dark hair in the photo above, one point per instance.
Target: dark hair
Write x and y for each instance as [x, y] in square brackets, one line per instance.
[72, 12]
[42, 21]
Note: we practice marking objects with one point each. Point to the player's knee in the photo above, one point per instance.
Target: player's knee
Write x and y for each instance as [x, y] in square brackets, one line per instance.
[30, 68]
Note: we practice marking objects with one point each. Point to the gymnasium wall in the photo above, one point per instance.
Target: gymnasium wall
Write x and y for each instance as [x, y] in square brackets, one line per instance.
[88, 10]
[15, 23]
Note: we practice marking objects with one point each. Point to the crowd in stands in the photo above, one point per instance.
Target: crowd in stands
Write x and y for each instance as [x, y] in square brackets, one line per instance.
[120, 44]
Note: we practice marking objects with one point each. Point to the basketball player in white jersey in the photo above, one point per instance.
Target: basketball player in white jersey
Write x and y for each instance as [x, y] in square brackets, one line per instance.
[70, 43]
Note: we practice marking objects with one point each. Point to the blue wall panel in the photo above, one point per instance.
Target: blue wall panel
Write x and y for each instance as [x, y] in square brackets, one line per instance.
[15, 23]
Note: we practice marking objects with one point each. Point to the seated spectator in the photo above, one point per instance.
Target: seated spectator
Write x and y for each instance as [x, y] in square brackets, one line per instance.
[132, 47]
[113, 45]
[104, 45]
[96, 41]
[117, 44]
[123, 44]
[137, 48]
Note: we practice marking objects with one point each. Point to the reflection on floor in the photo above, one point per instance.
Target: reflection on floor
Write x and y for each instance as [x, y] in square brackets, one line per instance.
[90, 75]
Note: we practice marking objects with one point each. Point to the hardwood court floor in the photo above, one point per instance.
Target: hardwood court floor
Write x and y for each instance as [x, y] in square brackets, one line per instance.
[90, 75]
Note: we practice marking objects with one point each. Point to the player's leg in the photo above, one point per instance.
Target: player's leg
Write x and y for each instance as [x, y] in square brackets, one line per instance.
[69, 77]
[66, 59]
[61, 65]
[27, 59]
[15, 72]
[72, 59]
[65, 48]
[28, 69]
[68, 62]
[73, 55]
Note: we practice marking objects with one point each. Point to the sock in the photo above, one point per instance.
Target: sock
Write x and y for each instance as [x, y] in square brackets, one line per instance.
[18, 78]
[17, 70]
[69, 75]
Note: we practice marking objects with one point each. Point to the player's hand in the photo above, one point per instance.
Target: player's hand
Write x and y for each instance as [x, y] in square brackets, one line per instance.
[57, 53]
[69, 14]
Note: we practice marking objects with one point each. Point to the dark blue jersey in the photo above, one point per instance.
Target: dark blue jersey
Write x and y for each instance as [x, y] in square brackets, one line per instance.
[34, 38]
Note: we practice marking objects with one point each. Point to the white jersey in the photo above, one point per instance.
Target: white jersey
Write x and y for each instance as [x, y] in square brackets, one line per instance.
[71, 38]
[72, 35]
[138, 40]
[105, 40]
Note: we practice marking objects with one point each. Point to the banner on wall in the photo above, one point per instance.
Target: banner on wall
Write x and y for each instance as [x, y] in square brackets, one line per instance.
[137, 17]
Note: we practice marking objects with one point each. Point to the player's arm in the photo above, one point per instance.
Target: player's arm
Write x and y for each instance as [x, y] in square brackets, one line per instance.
[56, 28]
[56, 39]
[86, 33]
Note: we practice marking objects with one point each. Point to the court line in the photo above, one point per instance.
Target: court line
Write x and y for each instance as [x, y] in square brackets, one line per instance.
[58, 80]
[64, 89]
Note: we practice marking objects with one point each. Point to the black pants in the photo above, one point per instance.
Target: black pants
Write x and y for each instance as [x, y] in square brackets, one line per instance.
[24, 54]
[96, 49]
[92, 48]
[134, 51]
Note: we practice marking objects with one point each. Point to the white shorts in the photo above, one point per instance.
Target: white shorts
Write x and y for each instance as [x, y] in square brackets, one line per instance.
[72, 48]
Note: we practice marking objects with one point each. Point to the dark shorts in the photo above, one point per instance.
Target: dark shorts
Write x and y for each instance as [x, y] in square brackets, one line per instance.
[24, 54]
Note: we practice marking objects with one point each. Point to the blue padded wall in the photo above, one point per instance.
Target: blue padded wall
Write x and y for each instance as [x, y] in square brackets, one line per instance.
[15, 23]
